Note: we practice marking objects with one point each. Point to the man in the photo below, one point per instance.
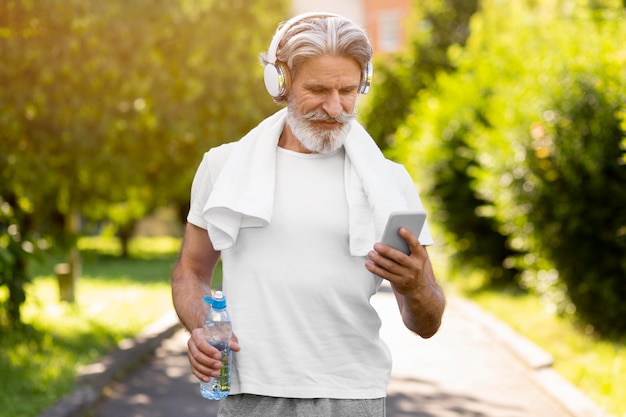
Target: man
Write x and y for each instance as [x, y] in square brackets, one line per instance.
[294, 209]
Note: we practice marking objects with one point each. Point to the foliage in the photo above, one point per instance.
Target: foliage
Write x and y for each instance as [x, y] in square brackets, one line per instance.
[528, 140]
[107, 107]
[399, 79]
[112, 96]
[576, 162]
[17, 245]
[433, 27]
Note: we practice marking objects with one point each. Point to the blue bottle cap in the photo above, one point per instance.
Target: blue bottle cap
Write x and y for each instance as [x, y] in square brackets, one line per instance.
[207, 299]
[219, 301]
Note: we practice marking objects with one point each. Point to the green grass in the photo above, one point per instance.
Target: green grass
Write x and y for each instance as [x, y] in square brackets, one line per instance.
[115, 299]
[597, 367]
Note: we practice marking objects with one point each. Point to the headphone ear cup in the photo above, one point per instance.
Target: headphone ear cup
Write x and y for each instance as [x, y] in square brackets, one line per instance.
[367, 78]
[277, 79]
[272, 80]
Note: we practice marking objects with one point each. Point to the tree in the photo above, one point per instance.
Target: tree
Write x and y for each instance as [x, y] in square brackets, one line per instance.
[109, 105]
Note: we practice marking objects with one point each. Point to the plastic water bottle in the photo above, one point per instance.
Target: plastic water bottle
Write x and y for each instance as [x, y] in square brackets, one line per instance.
[218, 331]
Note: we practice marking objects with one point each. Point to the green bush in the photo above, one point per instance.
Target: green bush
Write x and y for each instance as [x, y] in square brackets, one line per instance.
[434, 146]
[521, 153]
[580, 197]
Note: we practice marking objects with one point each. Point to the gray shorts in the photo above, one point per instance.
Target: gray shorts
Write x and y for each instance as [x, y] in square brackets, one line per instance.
[248, 405]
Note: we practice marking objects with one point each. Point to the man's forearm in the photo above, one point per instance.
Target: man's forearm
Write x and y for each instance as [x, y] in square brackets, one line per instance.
[187, 295]
[422, 313]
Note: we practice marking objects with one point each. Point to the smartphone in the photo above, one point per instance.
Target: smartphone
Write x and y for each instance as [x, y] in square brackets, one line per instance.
[410, 219]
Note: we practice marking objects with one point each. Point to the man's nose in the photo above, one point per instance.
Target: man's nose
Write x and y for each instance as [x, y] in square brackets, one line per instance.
[332, 104]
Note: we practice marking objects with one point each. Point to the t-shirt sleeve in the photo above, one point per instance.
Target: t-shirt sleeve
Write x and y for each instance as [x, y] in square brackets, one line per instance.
[409, 190]
[204, 181]
[200, 190]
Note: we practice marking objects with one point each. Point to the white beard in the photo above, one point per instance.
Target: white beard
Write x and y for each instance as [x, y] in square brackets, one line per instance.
[316, 138]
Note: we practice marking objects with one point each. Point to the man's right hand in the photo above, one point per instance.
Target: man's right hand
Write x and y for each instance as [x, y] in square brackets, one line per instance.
[205, 360]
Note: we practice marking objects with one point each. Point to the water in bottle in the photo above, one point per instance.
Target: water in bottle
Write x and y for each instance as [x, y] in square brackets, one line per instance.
[218, 331]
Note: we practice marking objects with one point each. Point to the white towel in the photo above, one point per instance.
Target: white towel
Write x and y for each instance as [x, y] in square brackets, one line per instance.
[243, 194]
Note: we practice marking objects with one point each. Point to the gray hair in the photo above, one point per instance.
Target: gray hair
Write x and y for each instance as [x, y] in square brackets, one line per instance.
[322, 36]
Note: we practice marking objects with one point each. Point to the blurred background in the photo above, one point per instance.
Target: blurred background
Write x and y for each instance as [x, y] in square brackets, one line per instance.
[509, 115]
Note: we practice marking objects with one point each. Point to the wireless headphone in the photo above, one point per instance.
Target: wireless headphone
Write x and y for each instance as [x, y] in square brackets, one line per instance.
[276, 74]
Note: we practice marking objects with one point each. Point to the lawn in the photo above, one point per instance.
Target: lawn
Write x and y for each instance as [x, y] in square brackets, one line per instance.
[115, 299]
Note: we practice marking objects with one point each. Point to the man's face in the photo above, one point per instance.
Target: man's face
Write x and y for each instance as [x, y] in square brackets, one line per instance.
[322, 101]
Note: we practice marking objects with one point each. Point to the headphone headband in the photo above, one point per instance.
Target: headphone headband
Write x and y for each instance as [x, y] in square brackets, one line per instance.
[276, 74]
[271, 52]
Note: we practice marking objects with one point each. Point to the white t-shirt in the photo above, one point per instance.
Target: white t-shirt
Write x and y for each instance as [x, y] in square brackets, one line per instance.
[298, 300]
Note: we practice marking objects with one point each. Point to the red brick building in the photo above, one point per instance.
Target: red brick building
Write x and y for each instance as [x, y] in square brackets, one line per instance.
[385, 23]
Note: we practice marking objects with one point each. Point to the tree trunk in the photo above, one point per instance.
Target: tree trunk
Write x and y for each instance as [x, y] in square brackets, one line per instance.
[125, 232]
[72, 228]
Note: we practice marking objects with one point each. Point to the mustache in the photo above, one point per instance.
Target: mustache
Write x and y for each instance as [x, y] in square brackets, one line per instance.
[320, 115]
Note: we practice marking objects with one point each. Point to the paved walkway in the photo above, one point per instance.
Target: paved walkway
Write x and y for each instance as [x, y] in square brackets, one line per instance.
[474, 366]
